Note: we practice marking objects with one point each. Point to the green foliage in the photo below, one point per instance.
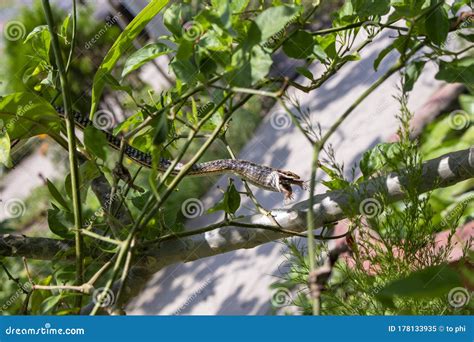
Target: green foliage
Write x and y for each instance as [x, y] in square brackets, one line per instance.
[143, 56]
[120, 46]
[25, 115]
[27, 65]
[396, 265]
[461, 70]
[216, 49]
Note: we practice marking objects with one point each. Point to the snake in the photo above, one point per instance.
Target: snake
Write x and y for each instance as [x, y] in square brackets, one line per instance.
[264, 177]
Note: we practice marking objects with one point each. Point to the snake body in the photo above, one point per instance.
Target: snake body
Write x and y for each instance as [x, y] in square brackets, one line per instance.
[264, 177]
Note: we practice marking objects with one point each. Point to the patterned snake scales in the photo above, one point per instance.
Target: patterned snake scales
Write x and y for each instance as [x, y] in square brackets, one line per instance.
[264, 177]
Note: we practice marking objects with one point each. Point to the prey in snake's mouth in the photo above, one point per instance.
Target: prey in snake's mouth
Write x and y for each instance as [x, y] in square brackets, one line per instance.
[284, 181]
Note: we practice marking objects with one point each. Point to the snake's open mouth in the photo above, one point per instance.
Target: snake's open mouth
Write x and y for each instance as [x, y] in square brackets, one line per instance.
[286, 179]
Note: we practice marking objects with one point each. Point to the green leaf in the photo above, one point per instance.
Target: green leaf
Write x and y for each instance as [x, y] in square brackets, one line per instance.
[274, 19]
[5, 158]
[249, 68]
[408, 8]
[305, 72]
[185, 49]
[437, 25]
[185, 70]
[427, 283]
[65, 26]
[161, 129]
[398, 44]
[205, 109]
[87, 172]
[144, 55]
[38, 296]
[327, 44]
[382, 55]
[40, 40]
[233, 199]
[120, 46]
[229, 203]
[140, 201]
[461, 70]
[95, 142]
[412, 72]
[129, 123]
[223, 10]
[467, 103]
[299, 45]
[175, 17]
[367, 8]
[25, 115]
[56, 198]
[375, 159]
[351, 57]
[238, 5]
[59, 222]
[49, 303]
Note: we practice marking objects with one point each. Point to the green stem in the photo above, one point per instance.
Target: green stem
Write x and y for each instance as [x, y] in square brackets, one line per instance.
[73, 165]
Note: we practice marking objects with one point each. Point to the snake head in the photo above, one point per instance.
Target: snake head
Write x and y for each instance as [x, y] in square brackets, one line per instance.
[285, 180]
